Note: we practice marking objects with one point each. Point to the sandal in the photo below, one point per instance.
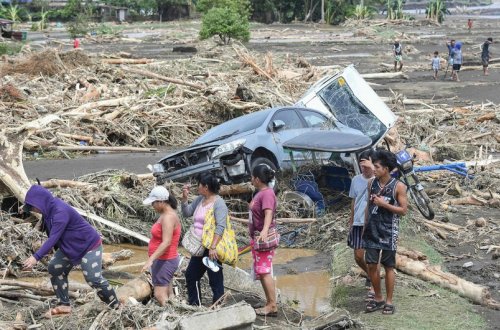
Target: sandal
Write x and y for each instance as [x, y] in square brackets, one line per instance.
[368, 284]
[262, 312]
[374, 306]
[388, 309]
[370, 296]
[57, 312]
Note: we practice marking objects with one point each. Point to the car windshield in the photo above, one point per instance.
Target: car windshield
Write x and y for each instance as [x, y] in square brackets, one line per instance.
[234, 126]
[346, 107]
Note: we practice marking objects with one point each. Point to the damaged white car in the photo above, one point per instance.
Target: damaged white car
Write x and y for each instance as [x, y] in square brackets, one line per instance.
[343, 102]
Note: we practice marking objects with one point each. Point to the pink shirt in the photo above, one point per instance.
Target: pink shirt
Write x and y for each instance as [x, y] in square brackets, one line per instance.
[263, 200]
[199, 217]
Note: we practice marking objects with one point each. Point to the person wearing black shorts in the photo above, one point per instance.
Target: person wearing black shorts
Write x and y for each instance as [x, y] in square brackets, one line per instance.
[485, 55]
[387, 202]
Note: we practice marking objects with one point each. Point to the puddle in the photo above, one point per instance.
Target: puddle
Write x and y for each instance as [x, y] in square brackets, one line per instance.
[301, 275]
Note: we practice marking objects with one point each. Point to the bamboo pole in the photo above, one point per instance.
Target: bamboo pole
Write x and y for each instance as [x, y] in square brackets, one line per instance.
[160, 77]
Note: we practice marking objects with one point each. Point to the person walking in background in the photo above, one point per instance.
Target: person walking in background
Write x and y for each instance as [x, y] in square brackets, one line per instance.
[359, 194]
[76, 241]
[457, 61]
[261, 227]
[436, 64]
[165, 233]
[486, 55]
[451, 46]
[208, 188]
[397, 50]
[469, 25]
[388, 201]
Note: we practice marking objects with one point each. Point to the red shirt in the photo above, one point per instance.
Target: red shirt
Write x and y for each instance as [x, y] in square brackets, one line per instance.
[156, 239]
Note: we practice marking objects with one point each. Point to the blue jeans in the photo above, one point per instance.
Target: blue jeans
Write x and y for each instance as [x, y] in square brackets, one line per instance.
[194, 272]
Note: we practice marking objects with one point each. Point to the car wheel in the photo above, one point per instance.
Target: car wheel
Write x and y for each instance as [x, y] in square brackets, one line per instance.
[268, 162]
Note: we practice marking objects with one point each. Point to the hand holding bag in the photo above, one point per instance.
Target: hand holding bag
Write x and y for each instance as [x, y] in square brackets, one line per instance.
[272, 242]
[192, 243]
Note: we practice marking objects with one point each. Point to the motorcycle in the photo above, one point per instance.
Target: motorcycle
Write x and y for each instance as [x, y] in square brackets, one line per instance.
[408, 176]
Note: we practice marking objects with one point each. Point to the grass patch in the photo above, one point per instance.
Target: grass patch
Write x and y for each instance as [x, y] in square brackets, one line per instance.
[161, 91]
[409, 238]
[7, 48]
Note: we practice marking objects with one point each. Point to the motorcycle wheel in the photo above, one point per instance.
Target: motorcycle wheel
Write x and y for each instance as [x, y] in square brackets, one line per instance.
[422, 201]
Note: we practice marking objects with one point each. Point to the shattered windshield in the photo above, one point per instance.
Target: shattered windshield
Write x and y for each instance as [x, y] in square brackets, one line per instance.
[346, 107]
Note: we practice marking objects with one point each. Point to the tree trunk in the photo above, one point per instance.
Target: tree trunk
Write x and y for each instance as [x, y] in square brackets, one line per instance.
[139, 288]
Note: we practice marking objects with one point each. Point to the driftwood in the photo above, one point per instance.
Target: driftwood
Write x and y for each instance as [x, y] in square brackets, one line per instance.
[109, 259]
[139, 288]
[423, 270]
[98, 104]
[384, 75]
[55, 183]
[469, 200]
[447, 226]
[109, 149]
[167, 79]
[236, 189]
[126, 61]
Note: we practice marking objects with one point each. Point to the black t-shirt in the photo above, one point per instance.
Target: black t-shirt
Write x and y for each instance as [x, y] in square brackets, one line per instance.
[485, 51]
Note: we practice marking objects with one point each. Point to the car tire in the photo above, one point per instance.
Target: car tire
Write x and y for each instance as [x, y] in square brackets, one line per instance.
[268, 162]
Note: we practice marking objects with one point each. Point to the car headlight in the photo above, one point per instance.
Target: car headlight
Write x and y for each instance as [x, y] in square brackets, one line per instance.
[158, 168]
[227, 148]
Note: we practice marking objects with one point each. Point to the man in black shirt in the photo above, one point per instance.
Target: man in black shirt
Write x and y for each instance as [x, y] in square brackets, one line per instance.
[485, 54]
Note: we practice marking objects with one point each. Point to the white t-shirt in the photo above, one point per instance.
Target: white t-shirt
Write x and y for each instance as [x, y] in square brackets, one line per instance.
[359, 192]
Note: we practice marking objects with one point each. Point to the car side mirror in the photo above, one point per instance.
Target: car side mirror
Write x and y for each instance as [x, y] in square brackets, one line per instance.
[277, 125]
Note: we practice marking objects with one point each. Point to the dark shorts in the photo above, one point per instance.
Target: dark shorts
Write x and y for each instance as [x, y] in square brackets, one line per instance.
[354, 239]
[485, 61]
[388, 258]
[456, 67]
[162, 271]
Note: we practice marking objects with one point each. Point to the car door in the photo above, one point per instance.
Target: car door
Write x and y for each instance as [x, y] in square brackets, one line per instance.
[284, 125]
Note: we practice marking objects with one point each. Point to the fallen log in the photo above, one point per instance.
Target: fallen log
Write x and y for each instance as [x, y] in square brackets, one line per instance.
[126, 61]
[97, 148]
[469, 200]
[447, 226]
[109, 259]
[57, 183]
[139, 288]
[167, 79]
[98, 104]
[486, 117]
[384, 75]
[423, 270]
[236, 189]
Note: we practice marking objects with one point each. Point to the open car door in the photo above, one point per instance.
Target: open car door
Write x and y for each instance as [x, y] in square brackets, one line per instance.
[348, 97]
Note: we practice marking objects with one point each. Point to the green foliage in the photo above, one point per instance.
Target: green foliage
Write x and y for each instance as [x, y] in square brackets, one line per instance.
[395, 9]
[79, 26]
[336, 11]
[362, 12]
[226, 23]
[104, 29]
[242, 7]
[12, 12]
[7, 48]
[436, 10]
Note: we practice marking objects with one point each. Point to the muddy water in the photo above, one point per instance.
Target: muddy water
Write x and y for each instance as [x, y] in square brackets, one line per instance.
[297, 279]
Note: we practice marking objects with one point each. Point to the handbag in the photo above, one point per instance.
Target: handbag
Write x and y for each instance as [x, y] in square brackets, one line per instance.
[227, 249]
[272, 242]
[192, 243]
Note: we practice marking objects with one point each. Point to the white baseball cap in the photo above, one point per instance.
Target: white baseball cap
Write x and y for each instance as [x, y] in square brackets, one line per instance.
[159, 193]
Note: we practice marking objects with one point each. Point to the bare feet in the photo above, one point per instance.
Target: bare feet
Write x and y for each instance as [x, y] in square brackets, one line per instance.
[58, 311]
[267, 311]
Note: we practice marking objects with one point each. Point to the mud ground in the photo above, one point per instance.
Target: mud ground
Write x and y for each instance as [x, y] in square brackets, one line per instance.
[326, 46]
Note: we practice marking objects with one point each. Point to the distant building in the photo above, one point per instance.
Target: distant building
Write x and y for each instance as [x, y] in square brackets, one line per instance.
[112, 13]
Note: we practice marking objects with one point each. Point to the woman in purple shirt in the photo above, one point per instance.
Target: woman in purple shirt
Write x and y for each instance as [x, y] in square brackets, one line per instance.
[76, 242]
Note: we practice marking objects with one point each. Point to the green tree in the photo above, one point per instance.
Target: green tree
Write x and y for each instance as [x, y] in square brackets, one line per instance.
[436, 10]
[242, 7]
[226, 23]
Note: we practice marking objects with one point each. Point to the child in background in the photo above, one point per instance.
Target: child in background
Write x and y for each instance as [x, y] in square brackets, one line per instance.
[436, 64]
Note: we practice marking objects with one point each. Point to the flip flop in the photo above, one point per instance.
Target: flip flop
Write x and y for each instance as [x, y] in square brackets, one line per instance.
[260, 312]
[388, 309]
[373, 306]
[55, 312]
[370, 296]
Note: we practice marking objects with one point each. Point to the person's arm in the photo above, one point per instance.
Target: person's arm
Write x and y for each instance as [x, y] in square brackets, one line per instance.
[351, 217]
[167, 231]
[188, 209]
[59, 224]
[401, 198]
[220, 214]
[268, 218]
[368, 193]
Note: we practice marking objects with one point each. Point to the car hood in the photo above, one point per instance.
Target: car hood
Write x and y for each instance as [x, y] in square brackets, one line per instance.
[329, 141]
[213, 144]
